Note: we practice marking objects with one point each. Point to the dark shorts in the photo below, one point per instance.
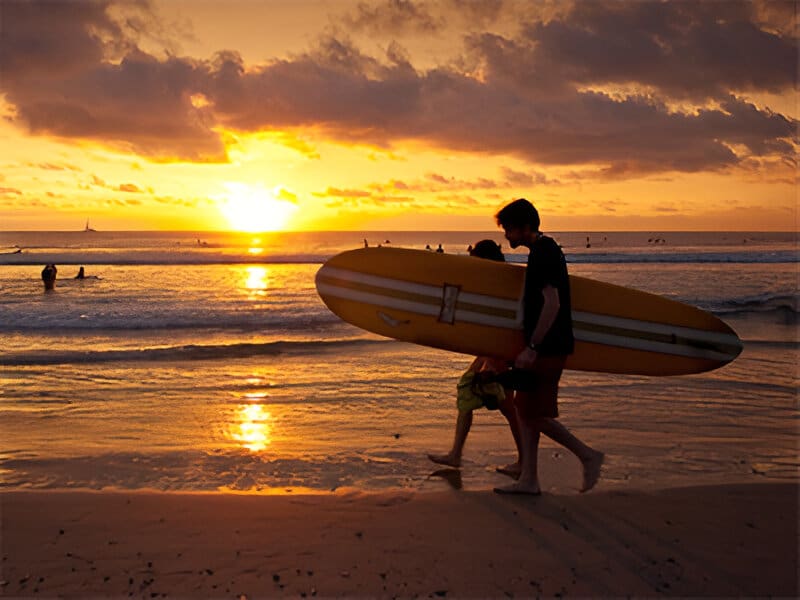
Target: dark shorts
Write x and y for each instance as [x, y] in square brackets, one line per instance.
[537, 388]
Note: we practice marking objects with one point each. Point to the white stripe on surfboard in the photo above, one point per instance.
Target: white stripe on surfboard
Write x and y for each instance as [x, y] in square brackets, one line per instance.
[428, 310]
[434, 291]
[608, 339]
[700, 335]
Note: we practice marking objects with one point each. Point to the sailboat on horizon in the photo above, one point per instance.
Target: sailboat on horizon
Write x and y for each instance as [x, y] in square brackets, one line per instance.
[88, 229]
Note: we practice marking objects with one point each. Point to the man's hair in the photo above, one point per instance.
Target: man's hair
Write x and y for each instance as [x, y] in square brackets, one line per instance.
[518, 213]
[488, 249]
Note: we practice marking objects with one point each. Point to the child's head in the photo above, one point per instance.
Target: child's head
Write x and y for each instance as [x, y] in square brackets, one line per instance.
[488, 249]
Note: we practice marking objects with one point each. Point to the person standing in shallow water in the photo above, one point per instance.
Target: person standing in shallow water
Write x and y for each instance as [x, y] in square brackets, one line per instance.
[547, 324]
[49, 277]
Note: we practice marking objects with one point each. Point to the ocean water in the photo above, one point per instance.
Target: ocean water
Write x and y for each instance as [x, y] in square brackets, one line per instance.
[206, 361]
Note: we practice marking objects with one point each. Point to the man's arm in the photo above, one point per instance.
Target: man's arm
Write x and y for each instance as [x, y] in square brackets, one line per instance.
[547, 317]
[550, 309]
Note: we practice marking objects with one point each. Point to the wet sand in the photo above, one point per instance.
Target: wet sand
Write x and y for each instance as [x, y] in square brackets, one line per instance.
[722, 540]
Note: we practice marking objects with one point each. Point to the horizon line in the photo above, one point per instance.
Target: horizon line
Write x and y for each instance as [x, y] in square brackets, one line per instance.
[233, 231]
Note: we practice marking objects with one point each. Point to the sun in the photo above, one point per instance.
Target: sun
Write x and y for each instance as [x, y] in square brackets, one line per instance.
[254, 208]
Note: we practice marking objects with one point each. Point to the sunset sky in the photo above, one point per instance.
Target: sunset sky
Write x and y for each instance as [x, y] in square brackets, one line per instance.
[397, 114]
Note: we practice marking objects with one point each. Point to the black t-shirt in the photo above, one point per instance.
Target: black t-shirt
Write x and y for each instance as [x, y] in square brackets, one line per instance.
[547, 265]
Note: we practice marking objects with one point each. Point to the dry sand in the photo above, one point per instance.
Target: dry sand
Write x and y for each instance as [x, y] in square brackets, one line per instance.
[725, 540]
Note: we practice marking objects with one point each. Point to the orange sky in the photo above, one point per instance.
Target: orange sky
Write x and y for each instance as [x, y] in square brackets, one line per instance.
[398, 114]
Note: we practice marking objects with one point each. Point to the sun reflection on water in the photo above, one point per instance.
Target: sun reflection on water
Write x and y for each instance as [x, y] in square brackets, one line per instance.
[255, 247]
[256, 279]
[252, 428]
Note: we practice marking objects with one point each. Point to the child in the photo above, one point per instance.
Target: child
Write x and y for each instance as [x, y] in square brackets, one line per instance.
[475, 389]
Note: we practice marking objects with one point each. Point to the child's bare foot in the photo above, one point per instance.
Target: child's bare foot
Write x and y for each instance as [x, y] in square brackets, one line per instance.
[513, 470]
[591, 470]
[445, 459]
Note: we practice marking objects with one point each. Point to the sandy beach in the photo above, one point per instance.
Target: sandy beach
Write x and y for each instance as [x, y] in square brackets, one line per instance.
[722, 540]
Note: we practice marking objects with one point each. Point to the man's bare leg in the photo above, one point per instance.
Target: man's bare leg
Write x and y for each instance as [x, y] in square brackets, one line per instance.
[453, 458]
[528, 482]
[507, 408]
[591, 459]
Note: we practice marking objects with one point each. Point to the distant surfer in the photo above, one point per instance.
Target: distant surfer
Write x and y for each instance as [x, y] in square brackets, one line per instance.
[547, 325]
[478, 387]
[81, 274]
[49, 277]
[440, 250]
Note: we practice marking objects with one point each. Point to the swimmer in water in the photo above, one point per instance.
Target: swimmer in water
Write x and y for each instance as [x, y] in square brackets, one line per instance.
[49, 277]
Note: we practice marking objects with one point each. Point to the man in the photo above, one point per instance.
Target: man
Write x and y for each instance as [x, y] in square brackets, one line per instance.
[547, 325]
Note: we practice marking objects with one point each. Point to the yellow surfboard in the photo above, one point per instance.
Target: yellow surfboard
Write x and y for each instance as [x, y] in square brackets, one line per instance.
[474, 306]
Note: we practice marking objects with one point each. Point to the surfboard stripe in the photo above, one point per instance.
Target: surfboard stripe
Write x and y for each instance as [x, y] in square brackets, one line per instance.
[672, 336]
[422, 289]
[635, 343]
[421, 299]
[420, 308]
[483, 310]
[711, 337]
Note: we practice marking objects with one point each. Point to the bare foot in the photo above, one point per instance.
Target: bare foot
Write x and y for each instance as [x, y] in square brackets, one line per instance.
[445, 459]
[451, 476]
[513, 470]
[591, 470]
[529, 489]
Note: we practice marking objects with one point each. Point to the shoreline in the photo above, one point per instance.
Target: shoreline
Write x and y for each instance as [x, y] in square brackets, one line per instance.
[717, 540]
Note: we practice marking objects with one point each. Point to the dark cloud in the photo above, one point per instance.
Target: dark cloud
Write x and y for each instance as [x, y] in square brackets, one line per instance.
[532, 98]
[46, 39]
[129, 187]
[393, 17]
[478, 12]
[683, 49]
[56, 61]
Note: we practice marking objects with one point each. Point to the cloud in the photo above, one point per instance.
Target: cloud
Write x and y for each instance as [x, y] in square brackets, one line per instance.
[54, 167]
[185, 202]
[122, 187]
[394, 17]
[60, 71]
[526, 178]
[478, 12]
[332, 192]
[683, 49]
[354, 98]
[284, 194]
[10, 191]
[548, 95]
[449, 189]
